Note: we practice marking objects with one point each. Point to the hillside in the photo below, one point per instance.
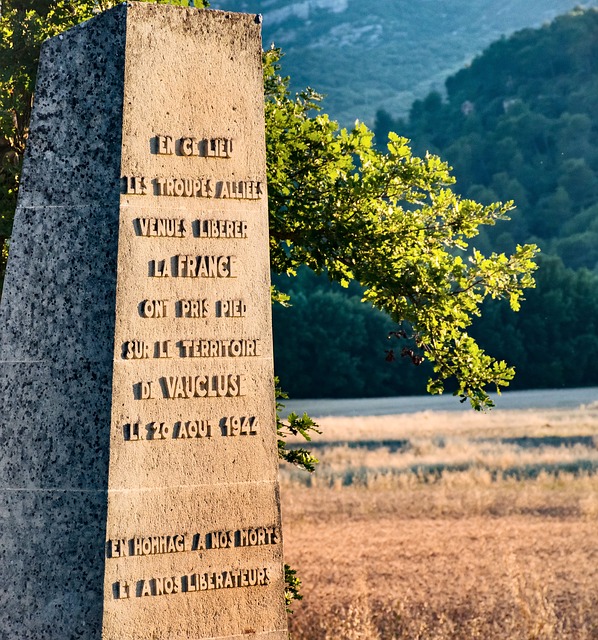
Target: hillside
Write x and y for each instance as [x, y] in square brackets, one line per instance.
[521, 122]
[386, 53]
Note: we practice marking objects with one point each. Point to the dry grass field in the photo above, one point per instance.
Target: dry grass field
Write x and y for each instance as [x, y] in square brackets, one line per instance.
[438, 526]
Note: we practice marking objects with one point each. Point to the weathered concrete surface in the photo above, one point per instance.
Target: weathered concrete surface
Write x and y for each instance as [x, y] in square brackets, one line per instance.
[124, 516]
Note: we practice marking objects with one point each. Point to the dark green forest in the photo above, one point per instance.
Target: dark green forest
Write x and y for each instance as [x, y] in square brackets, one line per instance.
[331, 344]
[520, 123]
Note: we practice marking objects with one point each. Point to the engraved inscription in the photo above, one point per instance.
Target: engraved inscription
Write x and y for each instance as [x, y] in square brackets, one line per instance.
[184, 542]
[136, 350]
[184, 187]
[165, 145]
[201, 309]
[192, 429]
[198, 147]
[230, 309]
[227, 579]
[203, 430]
[158, 586]
[159, 268]
[257, 537]
[207, 148]
[192, 414]
[135, 185]
[161, 431]
[203, 386]
[159, 544]
[161, 227]
[188, 583]
[153, 309]
[200, 187]
[191, 308]
[218, 348]
[122, 590]
[239, 189]
[239, 426]
[220, 229]
[230, 426]
[232, 348]
[189, 266]
[206, 266]
[145, 390]
[179, 228]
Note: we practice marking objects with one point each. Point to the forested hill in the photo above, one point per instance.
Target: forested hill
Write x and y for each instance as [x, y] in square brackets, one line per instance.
[521, 123]
[366, 54]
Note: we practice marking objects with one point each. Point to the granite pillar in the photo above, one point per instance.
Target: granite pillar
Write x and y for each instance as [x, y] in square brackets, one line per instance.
[138, 470]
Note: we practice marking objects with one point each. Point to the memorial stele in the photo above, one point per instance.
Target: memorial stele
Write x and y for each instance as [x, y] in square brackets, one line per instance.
[138, 470]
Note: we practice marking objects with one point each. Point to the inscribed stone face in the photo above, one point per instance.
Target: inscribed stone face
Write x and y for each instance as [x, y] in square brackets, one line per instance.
[137, 339]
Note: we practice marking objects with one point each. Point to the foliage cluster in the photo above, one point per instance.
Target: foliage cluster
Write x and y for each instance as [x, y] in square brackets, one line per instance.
[391, 222]
[521, 120]
[553, 341]
[344, 341]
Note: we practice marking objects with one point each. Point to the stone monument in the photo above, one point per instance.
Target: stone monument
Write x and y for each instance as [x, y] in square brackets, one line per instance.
[138, 470]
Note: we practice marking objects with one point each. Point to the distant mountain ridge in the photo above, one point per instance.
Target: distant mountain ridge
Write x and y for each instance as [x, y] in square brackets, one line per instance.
[370, 54]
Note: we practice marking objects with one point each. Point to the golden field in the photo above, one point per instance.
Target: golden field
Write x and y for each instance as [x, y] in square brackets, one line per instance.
[448, 526]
